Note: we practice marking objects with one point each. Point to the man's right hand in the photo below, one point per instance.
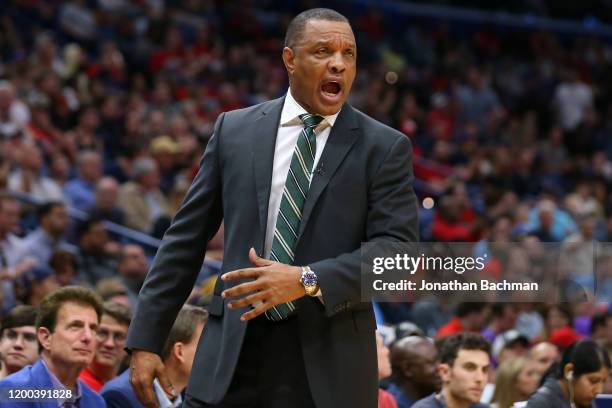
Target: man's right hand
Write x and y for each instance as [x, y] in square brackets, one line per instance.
[145, 367]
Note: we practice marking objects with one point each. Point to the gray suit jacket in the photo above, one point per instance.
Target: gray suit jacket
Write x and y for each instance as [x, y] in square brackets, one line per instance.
[362, 191]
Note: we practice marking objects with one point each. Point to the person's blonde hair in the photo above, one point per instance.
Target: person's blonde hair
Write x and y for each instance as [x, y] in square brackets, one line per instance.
[506, 393]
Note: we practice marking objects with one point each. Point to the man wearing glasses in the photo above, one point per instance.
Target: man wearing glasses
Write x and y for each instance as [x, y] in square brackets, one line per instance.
[109, 353]
[18, 342]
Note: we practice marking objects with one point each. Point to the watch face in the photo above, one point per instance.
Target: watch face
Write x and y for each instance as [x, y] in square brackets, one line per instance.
[309, 279]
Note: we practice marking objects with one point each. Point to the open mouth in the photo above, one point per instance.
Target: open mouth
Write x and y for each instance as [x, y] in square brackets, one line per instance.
[332, 88]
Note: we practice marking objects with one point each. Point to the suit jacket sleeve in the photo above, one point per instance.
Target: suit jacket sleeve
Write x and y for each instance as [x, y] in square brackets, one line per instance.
[116, 399]
[180, 256]
[392, 218]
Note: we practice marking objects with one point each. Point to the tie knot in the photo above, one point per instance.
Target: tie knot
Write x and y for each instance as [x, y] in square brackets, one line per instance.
[311, 121]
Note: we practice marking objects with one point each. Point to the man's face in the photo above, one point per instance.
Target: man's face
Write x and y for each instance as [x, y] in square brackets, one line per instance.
[425, 371]
[98, 237]
[134, 263]
[384, 365]
[73, 342]
[18, 347]
[544, 355]
[466, 378]
[111, 339]
[9, 216]
[57, 220]
[322, 65]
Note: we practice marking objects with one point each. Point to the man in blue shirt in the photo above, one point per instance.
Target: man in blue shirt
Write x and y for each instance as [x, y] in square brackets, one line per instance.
[414, 361]
[177, 355]
[464, 369]
[66, 327]
[81, 191]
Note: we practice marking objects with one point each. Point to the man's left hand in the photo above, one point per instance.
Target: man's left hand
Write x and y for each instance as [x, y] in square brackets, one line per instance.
[274, 283]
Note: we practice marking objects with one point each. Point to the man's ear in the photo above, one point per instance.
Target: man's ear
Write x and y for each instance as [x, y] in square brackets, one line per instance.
[289, 59]
[44, 337]
[444, 371]
[178, 351]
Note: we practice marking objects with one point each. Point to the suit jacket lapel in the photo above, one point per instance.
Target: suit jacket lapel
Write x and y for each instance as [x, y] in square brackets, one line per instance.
[264, 131]
[342, 136]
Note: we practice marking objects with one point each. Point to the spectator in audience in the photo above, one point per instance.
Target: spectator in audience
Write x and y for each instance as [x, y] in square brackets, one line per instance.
[18, 343]
[468, 317]
[509, 345]
[385, 399]
[515, 381]
[113, 290]
[14, 114]
[544, 355]
[81, 190]
[10, 248]
[28, 177]
[66, 325]
[584, 369]
[177, 355]
[36, 283]
[503, 318]
[109, 353]
[464, 369]
[49, 237]
[64, 264]
[601, 328]
[141, 199]
[132, 267]
[164, 150]
[94, 261]
[105, 206]
[414, 363]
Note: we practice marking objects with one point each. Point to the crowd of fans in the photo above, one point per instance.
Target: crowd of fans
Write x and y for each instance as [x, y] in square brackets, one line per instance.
[106, 108]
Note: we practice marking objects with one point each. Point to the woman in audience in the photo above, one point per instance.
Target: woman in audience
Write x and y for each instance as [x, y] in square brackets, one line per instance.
[516, 380]
[574, 383]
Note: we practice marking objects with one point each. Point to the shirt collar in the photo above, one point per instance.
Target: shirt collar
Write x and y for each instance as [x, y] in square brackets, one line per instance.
[56, 383]
[162, 397]
[292, 110]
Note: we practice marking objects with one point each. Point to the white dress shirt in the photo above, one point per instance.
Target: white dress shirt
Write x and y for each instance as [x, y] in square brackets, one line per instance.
[289, 129]
[162, 397]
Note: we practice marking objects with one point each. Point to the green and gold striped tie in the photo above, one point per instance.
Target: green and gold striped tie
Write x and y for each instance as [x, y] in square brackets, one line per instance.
[292, 204]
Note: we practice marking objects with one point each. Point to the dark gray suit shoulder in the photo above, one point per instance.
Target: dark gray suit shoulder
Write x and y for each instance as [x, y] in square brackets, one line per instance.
[253, 112]
[371, 126]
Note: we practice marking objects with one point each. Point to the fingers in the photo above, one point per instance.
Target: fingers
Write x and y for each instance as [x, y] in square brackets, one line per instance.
[241, 289]
[256, 260]
[248, 300]
[145, 365]
[253, 313]
[241, 274]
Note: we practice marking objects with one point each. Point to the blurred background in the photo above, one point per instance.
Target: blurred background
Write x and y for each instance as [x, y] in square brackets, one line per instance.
[106, 108]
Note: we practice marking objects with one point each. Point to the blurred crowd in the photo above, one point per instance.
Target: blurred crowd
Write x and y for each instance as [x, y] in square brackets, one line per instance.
[107, 106]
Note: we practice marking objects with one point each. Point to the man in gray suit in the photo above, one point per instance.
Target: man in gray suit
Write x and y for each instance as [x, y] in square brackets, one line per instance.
[300, 183]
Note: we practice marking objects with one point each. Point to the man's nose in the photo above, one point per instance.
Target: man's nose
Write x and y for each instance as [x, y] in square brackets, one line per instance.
[88, 335]
[18, 344]
[336, 64]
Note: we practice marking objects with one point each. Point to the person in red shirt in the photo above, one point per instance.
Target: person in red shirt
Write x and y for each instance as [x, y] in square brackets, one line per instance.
[469, 317]
[109, 353]
[385, 399]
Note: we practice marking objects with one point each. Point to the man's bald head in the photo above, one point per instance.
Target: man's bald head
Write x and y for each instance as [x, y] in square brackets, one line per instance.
[296, 27]
[414, 362]
[544, 355]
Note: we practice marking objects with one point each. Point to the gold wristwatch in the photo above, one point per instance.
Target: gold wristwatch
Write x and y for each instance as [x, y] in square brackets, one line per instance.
[310, 281]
